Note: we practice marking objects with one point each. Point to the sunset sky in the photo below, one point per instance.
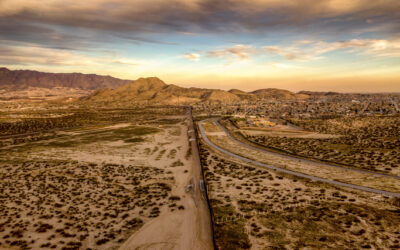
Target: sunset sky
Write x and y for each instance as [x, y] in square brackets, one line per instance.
[339, 45]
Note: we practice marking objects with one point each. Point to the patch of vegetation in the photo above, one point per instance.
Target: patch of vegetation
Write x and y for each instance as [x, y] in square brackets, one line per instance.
[319, 226]
[61, 144]
[133, 140]
[229, 233]
[188, 152]
[277, 211]
[90, 201]
[177, 163]
[134, 130]
[102, 135]
[167, 121]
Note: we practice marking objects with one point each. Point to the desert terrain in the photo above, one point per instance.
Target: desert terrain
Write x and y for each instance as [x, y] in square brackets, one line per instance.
[130, 167]
[256, 208]
[199, 124]
[113, 181]
[366, 143]
[368, 179]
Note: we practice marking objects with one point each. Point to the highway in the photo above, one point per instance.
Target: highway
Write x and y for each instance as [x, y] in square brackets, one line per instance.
[286, 171]
[228, 133]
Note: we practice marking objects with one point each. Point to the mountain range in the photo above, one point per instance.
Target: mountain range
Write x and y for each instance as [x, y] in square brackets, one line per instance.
[154, 90]
[23, 79]
[107, 89]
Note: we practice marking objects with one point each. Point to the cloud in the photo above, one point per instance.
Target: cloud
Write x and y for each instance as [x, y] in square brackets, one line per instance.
[24, 55]
[125, 61]
[26, 32]
[29, 54]
[304, 50]
[240, 51]
[290, 53]
[123, 18]
[314, 50]
[192, 56]
[386, 48]
[67, 32]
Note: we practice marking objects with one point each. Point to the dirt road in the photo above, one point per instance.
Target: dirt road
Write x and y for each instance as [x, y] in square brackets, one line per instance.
[314, 178]
[184, 229]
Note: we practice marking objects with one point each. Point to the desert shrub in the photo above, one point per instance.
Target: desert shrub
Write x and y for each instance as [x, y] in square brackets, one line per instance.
[396, 201]
[102, 241]
[43, 228]
[230, 234]
[174, 198]
[136, 131]
[133, 140]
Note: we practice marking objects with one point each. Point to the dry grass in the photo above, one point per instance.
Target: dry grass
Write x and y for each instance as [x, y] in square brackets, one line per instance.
[90, 188]
[364, 179]
[253, 206]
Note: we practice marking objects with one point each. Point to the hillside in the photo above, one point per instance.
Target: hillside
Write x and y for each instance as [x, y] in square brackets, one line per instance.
[24, 79]
[316, 93]
[277, 94]
[154, 90]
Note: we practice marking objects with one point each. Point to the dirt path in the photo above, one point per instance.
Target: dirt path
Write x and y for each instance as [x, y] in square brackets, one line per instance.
[181, 229]
[171, 231]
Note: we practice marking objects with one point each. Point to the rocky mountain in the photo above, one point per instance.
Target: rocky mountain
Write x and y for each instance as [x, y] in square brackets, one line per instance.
[277, 94]
[23, 79]
[242, 94]
[153, 90]
[27, 84]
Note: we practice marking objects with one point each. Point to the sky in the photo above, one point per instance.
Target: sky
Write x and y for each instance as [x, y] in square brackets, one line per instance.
[319, 45]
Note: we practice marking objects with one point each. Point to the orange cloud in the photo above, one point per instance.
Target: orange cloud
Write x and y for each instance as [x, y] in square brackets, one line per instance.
[192, 56]
[238, 51]
[312, 50]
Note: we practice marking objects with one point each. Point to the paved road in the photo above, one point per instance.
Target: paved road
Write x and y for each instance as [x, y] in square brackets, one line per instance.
[228, 133]
[298, 174]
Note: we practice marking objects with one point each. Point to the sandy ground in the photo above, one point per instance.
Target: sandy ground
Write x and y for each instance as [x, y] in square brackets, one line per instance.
[185, 225]
[186, 230]
[281, 213]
